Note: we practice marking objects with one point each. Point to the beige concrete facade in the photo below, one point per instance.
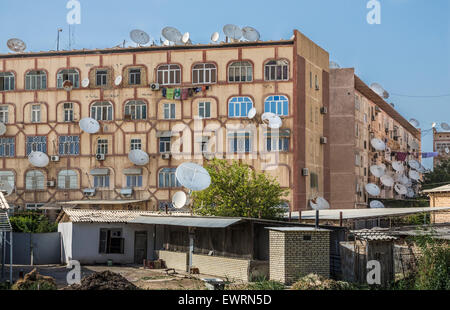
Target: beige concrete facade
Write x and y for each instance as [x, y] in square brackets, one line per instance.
[441, 144]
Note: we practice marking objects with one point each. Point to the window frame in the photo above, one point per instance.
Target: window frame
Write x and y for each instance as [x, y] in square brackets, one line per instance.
[68, 113]
[36, 180]
[102, 108]
[36, 80]
[137, 109]
[70, 180]
[135, 144]
[273, 67]
[134, 180]
[204, 107]
[4, 114]
[36, 113]
[232, 104]
[169, 111]
[102, 77]
[102, 146]
[169, 74]
[133, 76]
[35, 144]
[105, 181]
[282, 103]
[7, 78]
[69, 144]
[72, 74]
[281, 144]
[104, 241]
[204, 73]
[168, 175]
[164, 145]
[240, 142]
[240, 67]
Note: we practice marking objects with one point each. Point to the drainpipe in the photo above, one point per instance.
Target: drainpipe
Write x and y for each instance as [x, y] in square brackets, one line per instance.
[191, 249]
[317, 219]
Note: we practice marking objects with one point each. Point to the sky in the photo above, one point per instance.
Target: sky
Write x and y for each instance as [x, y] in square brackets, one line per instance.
[408, 53]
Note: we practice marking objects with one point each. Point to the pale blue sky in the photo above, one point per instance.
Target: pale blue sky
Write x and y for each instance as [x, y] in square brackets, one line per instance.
[408, 53]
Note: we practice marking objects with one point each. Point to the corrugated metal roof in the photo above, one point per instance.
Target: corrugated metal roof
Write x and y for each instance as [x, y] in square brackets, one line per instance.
[5, 225]
[286, 229]
[98, 202]
[440, 189]
[208, 222]
[372, 235]
[107, 216]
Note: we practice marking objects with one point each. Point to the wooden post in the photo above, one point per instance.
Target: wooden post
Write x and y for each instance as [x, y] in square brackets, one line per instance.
[299, 216]
[340, 219]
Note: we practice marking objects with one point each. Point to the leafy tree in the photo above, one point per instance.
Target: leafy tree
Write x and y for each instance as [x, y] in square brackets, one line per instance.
[438, 177]
[32, 222]
[238, 191]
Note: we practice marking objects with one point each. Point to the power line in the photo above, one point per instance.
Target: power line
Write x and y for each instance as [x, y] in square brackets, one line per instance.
[411, 96]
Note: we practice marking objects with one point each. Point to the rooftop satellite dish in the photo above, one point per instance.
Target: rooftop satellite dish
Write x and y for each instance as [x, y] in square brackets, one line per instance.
[377, 170]
[414, 164]
[215, 37]
[334, 65]
[2, 129]
[67, 85]
[400, 189]
[275, 122]
[185, 38]
[414, 175]
[373, 189]
[387, 180]
[376, 204]
[232, 32]
[192, 176]
[179, 199]
[378, 144]
[447, 150]
[139, 37]
[6, 188]
[166, 43]
[85, 83]
[410, 193]
[89, 125]
[172, 34]
[386, 95]
[398, 166]
[250, 34]
[319, 203]
[414, 122]
[138, 157]
[16, 45]
[445, 126]
[433, 125]
[118, 80]
[252, 113]
[378, 89]
[38, 159]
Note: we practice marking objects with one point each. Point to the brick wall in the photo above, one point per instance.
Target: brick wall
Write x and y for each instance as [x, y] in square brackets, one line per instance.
[176, 260]
[231, 268]
[440, 200]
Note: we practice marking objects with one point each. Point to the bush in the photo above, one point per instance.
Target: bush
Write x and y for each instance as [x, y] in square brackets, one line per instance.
[316, 282]
[32, 222]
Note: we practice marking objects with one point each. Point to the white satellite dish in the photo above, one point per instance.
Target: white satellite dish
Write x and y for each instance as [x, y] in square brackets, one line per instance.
[398, 166]
[414, 164]
[250, 34]
[138, 157]
[172, 34]
[400, 189]
[192, 176]
[414, 122]
[445, 126]
[139, 37]
[376, 204]
[275, 122]
[166, 43]
[319, 203]
[447, 150]
[185, 38]
[377, 88]
[387, 180]
[410, 193]
[215, 37]
[6, 188]
[67, 85]
[118, 80]
[233, 31]
[2, 129]
[373, 189]
[377, 170]
[378, 144]
[414, 175]
[252, 113]
[265, 117]
[16, 45]
[179, 199]
[334, 65]
[85, 82]
[89, 125]
[38, 159]
[433, 125]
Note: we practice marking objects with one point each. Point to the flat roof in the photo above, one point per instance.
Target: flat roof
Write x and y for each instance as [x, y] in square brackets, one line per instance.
[286, 229]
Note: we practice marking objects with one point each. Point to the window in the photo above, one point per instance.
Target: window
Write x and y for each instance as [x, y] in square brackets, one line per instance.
[7, 147]
[357, 160]
[67, 179]
[277, 104]
[169, 111]
[316, 82]
[68, 111]
[102, 146]
[7, 176]
[7, 81]
[135, 109]
[111, 241]
[357, 103]
[4, 114]
[101, 181]
[134, 76]
[33, 206]
[164, 145]
[35, 80]
[280, 144]
[102, 111]
[240, 71]
[169, 74]
[239, 106]
[34, 180]
[134, 181]
[36, 144]
[167, 178]
[204, 109]
[240, 142]
[71, 75]
[204, 144]
[69, 145]
[35, 113]
[276, 70]
[136, 144]
[204, 74]
[314, 180]
[101, 77]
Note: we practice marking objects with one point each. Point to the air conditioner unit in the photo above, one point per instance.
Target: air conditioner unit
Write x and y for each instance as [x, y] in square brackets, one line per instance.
[324, 110]
[100, 157]
[166, 156]
[323, 140]
[126, 192]
[89, 192]
[50, 183]
[54, 158]
[154, 86]
[305, 172]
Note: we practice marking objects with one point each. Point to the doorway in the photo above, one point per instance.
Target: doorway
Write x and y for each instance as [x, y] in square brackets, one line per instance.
[140, 247]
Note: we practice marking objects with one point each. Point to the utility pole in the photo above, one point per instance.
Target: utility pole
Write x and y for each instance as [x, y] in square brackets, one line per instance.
[57, 44]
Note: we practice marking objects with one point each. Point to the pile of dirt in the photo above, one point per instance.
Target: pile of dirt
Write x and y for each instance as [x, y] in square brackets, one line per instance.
[105, 280]
[34, 281]
[316, 282]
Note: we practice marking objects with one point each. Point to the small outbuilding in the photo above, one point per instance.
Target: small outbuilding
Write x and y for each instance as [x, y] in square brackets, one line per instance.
[439, 197]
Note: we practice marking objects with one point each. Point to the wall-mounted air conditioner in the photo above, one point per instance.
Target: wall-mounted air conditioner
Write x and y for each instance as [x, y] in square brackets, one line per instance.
[305, 172]
[323, 140]
[208, 156]
[166, 156]
[89, 192]
[323, 110]
[100, 157]
[51, 183]
[54, 158]
[154, 86]
[126, 192]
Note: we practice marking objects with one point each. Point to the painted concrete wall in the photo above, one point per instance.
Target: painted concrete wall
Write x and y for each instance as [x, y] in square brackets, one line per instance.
[66, 230]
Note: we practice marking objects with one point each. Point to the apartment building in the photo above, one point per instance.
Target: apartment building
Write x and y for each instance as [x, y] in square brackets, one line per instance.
[192, 98]
[357, 115]
[441, 145]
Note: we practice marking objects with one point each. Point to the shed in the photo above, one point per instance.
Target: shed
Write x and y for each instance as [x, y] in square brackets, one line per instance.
[439, 197]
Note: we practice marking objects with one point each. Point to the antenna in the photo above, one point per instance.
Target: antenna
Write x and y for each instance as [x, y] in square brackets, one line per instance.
[16, 45]
[250, 34]
[89, 125]
[373, 189]
[233, 32]
[38, 159]
[57, 39]
[192, 176]
[377, 144]
[139, 37]
[414, 164]
[138, 157]
[376, 204]
[179, 199]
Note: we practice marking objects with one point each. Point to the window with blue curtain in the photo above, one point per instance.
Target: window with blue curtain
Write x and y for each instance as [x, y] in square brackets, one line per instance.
[277, 104]
[166, 178]
[7, 147]
[239, 106]
[69, 145]
[36, 144]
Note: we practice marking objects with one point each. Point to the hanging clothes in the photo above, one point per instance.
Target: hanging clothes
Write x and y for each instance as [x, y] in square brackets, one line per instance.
[177, 94]
[401, 156]
[170, 92]
[191, 92]
[164, 92]
[430, 154]
[184, 94]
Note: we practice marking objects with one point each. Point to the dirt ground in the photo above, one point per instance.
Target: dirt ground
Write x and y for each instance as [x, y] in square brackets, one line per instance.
[150, 279]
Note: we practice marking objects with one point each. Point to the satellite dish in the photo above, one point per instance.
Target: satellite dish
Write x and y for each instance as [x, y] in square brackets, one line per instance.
[172, 34]
[378, 89]
[185, 38]
[422, 169]
[386, 96]
[373, 189]
[319, 203]
[376, 204]
[387, 180]
[252, 113]
[400, 189]
[275, 122]
[2, 129]
[334, 65]
[445, 126]
[85, 83]
[414, 122]
[38, 159]
[89, 125]
[193, 176]
[215, 37]
[16, 45]
[398, 166]
[138, 157]
[250, 34]
[67, 85]
[267, 116]
[166, 43]
[378, 144]
[410, 193]
[414, 164]
[433, 125]
[179, 199]
[118, 80]
[377, 170]
[447, 150]
[414, 175]
[6, 188]
[139, 37]
[233, 31]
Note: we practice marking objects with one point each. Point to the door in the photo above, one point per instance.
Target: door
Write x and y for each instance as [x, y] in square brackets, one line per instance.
[140, 246]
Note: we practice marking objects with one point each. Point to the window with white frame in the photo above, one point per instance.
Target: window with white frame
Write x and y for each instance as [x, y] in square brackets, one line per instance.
[4, 112]
[240, 71]
[102, 146]
[169, 74]
[7, 146]
[134, 76]
[166, 178]
[101, 77]
[276, 70]
[240, 142]
[204, 73]
[204, 109]
[68, 179]
[164, 145]
[135, 110]
[101, 181]
[34, 180]
[277, 144]
[36, 144]
[136, 144]
[71, 75]
[68, 111]
[7, 81]
[69, 145]
[7, 177]
[35, 80]
[169, 111]
[102, 111]
[277, 104]
[35, 113]
[239, 106]
[134, 181]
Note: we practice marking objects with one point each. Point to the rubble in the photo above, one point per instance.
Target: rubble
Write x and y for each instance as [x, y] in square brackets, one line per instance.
[105, 280]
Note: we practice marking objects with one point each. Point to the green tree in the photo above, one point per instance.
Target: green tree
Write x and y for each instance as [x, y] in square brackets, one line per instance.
[238, 191]
[438, 177]
[32, 222]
